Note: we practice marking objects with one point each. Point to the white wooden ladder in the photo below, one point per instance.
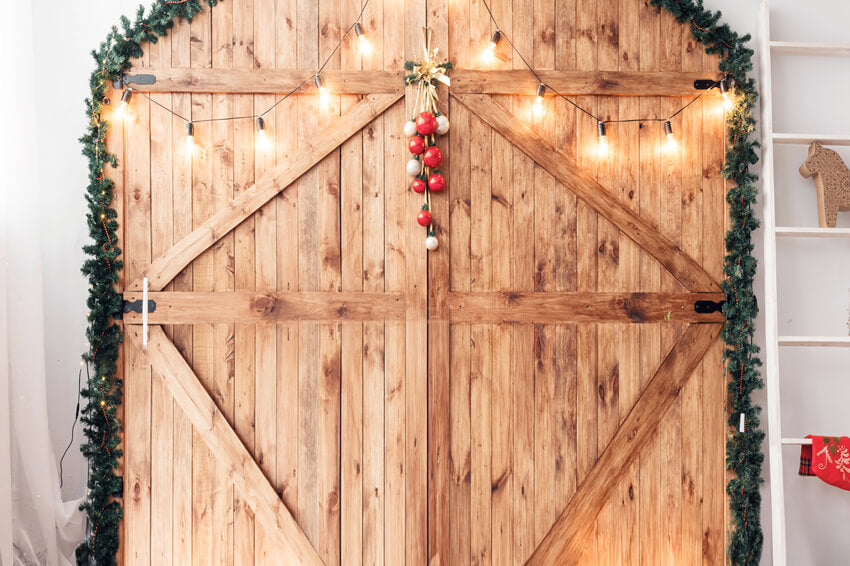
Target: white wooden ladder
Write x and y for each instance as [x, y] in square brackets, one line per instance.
[773, 340]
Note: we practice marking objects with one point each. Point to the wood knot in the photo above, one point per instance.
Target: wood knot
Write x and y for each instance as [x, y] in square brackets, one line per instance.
[265, 305]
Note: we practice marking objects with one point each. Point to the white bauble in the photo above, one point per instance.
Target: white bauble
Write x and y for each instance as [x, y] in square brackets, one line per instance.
[409, 129]
[413, 167]
[432, 243]
[442, 124]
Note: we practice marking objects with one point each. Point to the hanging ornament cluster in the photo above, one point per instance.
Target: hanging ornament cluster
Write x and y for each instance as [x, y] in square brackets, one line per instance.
[422, 130]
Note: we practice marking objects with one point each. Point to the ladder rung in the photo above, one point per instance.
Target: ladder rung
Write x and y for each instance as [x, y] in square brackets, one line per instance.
[815, 341]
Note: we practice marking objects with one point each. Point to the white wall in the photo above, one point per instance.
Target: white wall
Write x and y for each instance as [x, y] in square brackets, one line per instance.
[814, 277]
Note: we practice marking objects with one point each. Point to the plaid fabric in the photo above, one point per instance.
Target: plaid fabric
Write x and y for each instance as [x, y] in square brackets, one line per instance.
[806, 462]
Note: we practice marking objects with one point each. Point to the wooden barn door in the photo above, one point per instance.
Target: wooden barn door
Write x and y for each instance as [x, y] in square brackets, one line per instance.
[278, 414]
[577, 398]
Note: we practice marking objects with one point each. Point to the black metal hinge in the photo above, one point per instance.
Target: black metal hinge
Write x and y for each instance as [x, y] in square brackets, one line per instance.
[708, 307]
[138, 79]
[133, 306]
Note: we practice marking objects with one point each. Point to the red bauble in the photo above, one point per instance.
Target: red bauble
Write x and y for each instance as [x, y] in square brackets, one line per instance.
[433, 156]
[418, 185]
[436, 182]
[416, 145]
[426, 123]
[424, 218]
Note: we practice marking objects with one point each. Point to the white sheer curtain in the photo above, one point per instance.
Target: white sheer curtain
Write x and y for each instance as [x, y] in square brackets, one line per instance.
[36, 525]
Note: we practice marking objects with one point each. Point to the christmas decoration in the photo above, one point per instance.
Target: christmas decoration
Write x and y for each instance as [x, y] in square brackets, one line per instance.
[416, 145]
[442, 125]
[427, 123]
[832, 180]
[436, 182]
[414, 167]
[410, 128]
[431, 242]
[828, 457]
[743, 448]
[432, 157]
[103, 391]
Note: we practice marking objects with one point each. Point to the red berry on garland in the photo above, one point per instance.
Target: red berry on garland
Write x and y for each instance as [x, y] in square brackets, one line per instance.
[418, 185]
[426, 123]
[416, 145]
[424, 218]
[433, 156]
[436, 182]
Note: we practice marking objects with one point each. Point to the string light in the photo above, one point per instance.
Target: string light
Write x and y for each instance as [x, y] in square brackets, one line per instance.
[489, 54]
[725, 87]
[190, 138]
[603, 137]
[263, 140]
[671, 139]
[121, 112]
[538, 102]
[324, 95]
[362, 41]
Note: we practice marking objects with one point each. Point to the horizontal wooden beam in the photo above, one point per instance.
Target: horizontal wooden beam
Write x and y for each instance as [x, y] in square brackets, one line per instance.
[258, 308]
[628, 83]
[164, 268]
[267, 81]
[210, 423]
[564, 542]
[464, 81]
[562, 167]
[551, 307]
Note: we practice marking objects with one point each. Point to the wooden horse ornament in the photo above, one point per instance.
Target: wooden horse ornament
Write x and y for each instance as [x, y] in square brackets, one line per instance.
[832, 179]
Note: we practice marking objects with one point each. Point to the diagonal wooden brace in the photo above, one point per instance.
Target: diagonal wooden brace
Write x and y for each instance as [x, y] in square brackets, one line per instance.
[167, 266]
[170, 367]
[683, 267]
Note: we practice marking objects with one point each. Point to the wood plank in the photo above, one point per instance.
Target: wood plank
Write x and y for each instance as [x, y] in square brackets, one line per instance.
[265, 267]
[553, 307]
[181, 174]
[681, 266]
[271, 80]
[244, 419]
[564, 542]
[209, 422]
[579, 83]
[480, 386]
[459, 341]
[330, 279]
[372, 172]
[224, 353]
[249, 201]
[162, 229]
[137, 400]
[416, 330]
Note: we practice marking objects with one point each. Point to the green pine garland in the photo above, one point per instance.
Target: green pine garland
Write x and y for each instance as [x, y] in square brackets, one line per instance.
[743, 449]
[103, 392]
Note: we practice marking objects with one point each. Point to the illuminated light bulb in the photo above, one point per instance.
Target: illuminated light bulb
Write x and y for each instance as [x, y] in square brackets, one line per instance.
[603, 138]
[324, 95]
[538, 102]
[121, 112]
[489, 54]
[190, 138]
[362, 41]
[671, 139]
[725, 87]
[263, 140]
[102, 403]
